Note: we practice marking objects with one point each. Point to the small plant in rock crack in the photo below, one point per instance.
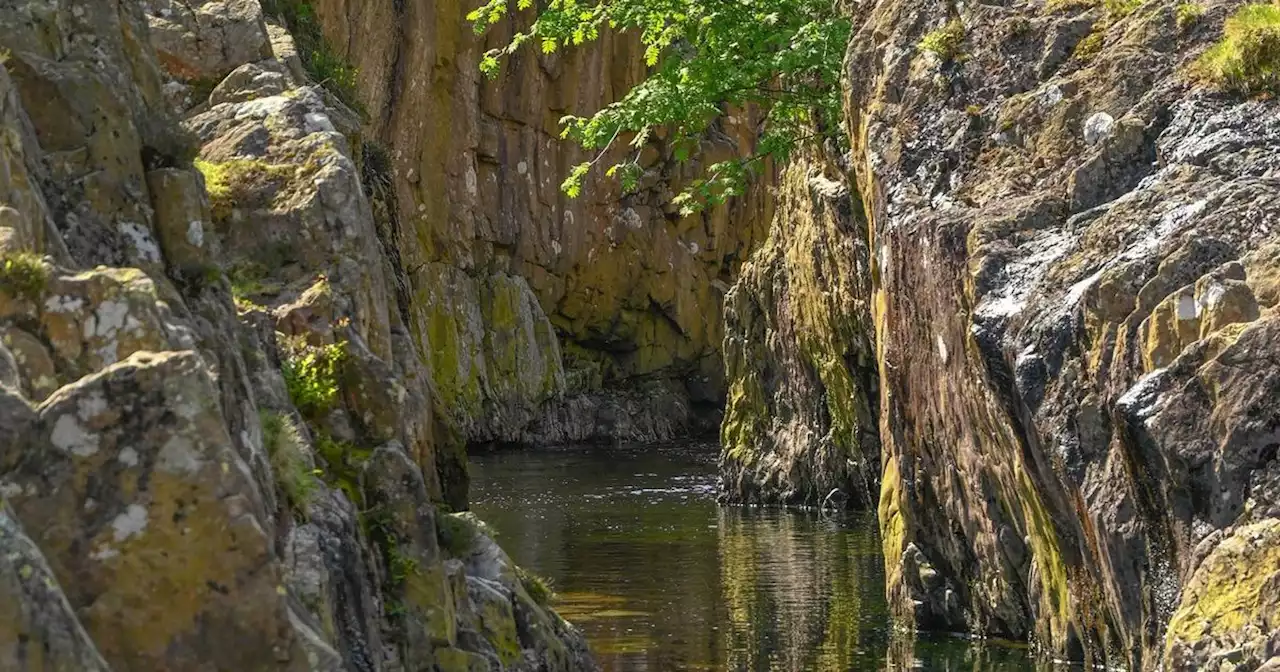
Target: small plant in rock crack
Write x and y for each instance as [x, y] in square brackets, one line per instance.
[295, 477]
[539, 588]
[944, 42]
[311, 374]
[23, 274]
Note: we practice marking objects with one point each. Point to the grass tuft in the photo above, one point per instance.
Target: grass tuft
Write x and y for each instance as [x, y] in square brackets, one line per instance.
[311, 375]
[1247, 60]
[23, 274]
[539, 588]
[325, 65]
[1188, 14]
[294, 475]
[945, 42]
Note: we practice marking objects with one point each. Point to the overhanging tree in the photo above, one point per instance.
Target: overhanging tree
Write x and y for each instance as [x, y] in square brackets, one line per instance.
[783, 56]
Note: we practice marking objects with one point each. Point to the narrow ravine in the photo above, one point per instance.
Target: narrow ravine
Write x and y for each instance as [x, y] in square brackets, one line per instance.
[658, 577]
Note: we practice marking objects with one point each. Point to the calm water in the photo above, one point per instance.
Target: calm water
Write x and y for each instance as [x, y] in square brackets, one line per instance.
[660, 578]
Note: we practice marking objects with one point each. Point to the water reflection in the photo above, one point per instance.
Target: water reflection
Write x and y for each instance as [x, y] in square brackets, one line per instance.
[660, 578]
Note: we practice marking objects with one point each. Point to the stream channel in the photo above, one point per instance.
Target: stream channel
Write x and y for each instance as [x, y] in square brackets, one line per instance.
[660, 578]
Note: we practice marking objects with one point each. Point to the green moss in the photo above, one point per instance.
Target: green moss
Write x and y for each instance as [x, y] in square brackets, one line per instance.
[249, 279]
[311, 375]
[893, 524]
[294, 476]
[1247, 60]
[343, 462]
[1188, 14]
[23, 275]
[1089, 47]
[326, 66]
[945, 42]
[1055, 593]
[539, 588]
[241, 184]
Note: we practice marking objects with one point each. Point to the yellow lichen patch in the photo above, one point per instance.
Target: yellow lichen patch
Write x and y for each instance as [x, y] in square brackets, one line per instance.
[1234, 590]
[893, 521]
[426, 592]
[180, 547]
[1055, 593]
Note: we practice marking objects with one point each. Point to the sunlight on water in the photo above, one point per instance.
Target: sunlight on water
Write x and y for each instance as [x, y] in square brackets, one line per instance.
[660, 578]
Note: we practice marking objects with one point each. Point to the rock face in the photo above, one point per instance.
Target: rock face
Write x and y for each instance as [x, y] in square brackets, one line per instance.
[800, 425]
[1073, 308]
[220, 445]
[542, 315]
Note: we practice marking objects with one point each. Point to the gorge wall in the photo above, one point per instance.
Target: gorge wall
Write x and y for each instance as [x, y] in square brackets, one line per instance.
[221, 444]
[1072, 307]
[544, 319]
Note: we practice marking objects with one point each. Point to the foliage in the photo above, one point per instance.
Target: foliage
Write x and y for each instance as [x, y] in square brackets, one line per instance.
[703, 57]
[325, 65]
[311, 374]
[1247, 60]
[539, 588]
[343, 463]
[1188, 14]
[454, 534]
[23, 274]
[944, 42]
[402, 566]
[294, 475]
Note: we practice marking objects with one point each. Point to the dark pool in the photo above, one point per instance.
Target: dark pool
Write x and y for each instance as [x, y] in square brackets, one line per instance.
[660, 578]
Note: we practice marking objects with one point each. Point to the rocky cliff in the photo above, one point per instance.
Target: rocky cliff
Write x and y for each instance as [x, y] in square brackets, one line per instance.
[800, 422]
[221, 446]
[544, 318]
[1072, 241]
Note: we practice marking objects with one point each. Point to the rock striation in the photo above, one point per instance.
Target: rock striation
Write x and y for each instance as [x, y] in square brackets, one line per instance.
[1071, 287]
[801, 422]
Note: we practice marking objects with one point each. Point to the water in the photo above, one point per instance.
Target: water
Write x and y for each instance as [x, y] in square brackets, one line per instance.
[660, 578]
